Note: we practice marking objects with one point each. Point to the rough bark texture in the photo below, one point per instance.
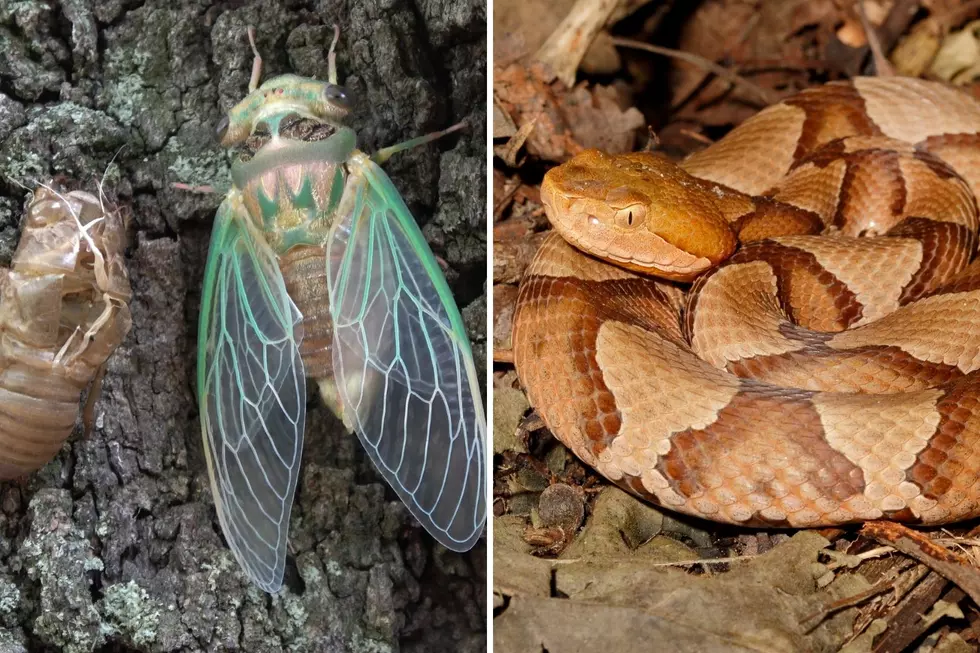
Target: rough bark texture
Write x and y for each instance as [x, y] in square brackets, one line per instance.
[115, 545]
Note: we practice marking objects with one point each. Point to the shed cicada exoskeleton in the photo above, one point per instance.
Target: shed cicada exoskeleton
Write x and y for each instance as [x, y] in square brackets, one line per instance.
[317, 269]
[64, 308]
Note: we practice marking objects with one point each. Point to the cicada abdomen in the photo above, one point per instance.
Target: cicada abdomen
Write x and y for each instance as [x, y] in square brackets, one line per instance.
[63, 311]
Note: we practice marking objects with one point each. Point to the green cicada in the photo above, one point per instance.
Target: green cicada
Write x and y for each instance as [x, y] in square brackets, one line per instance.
[317, 269]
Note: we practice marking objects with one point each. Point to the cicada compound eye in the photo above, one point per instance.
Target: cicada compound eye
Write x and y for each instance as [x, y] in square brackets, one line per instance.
[336, 96]
[222, 128]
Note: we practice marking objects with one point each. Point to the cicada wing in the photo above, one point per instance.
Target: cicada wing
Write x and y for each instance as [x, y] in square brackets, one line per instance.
[251, 392]
[402, 360]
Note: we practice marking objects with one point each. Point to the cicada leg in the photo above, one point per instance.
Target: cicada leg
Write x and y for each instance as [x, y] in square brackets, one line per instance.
[386, 153]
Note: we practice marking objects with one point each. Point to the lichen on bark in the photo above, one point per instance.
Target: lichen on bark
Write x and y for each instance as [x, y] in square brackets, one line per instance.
[114, 546]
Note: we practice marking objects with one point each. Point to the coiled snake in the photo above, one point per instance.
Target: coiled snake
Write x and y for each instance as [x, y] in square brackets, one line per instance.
[804, 380]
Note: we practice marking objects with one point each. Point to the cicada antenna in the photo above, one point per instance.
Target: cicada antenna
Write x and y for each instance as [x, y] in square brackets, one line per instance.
[253, 83]
[332, 56]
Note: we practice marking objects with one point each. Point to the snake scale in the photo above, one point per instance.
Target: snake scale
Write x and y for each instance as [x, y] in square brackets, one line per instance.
[823, 366]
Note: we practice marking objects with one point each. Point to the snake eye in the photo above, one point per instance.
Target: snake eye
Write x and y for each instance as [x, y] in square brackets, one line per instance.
[631, 216]
[222, 128]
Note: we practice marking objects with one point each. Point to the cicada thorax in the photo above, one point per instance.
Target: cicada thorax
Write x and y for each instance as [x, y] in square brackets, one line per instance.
[291, 187]
[63, 311]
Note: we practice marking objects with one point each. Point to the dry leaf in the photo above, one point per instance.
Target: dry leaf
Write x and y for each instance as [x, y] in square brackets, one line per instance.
[597, 120]
[504, 302]
[758, 606]
[515, 571]
[509, 406]
[958, 59]
[526, 97]
[511, 258]
[914, 53]
[503, 126]
[619, 523]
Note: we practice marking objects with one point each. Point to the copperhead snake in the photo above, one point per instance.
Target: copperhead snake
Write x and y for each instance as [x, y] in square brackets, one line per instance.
[823, 367]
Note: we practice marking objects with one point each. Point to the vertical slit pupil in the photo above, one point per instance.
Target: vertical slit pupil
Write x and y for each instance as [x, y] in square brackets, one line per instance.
[629, 219]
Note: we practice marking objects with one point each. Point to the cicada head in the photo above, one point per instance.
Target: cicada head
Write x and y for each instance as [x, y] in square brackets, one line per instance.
[280, 98]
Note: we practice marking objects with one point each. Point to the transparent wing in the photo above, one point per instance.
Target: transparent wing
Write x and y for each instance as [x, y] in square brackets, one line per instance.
[252, 394]
[402, 360]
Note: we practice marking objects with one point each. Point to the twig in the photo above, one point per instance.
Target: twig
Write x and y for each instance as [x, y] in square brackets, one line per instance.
[750, 25]
[944, 562]
[883, 67]
[764, 65]
[698, 60]
[705, 561]
[875, 553]
[505, 201]
[332, 56]
[531, 422]
[653, 142]
[253, 82]
[697, 136]
[847, 602]
[567, 45]
[503, 355]
[509, 150]
[957, 15]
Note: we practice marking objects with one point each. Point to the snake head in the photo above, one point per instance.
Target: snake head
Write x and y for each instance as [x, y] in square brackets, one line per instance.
[639, 211]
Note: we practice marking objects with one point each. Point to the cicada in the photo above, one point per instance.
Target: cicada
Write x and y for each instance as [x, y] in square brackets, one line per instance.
[317, 269]
[64, 308]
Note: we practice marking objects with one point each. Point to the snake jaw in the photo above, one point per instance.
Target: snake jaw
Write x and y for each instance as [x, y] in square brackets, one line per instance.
[597, 229]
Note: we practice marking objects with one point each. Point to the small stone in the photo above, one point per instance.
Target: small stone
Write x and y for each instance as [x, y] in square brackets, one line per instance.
[561, 505]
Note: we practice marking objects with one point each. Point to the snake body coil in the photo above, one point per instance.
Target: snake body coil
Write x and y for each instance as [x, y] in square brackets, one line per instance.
[823, 367]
